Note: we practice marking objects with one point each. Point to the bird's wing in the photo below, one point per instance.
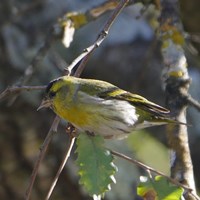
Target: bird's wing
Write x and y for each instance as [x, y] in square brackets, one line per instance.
[108, 91]
[135, 100]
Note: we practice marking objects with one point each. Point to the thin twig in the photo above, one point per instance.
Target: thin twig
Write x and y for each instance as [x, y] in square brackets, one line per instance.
[67, 155]
[142, 165]
[99, 40]
[147, 168]
[191, 101]
[54, 34]
[88, 51]
[41, 155]
[84, 57]
[82, 64]
[16, 89]
[51, 37]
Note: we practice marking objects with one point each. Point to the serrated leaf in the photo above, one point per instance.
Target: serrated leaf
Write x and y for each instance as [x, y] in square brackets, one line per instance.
[96, 168]
[159, 188]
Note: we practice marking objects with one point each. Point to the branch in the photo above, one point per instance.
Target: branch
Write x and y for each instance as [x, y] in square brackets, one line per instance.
[176, 82]
[87, 52]
[52, 130]
[17, 89]
[67, 155]
[147, 168]
[51, 37]
[56, 32]
[85, 55]
[191, 101]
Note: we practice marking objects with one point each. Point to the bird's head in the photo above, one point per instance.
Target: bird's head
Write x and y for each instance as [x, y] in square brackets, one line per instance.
[54, 91]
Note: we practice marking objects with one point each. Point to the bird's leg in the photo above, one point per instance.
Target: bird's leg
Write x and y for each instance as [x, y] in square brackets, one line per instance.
[71, 130]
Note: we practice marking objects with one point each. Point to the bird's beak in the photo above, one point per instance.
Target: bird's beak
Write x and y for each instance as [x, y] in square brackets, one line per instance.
[46, 103]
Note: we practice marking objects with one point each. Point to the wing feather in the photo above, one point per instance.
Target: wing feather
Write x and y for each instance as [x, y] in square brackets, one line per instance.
[135, 100]
[108, 91]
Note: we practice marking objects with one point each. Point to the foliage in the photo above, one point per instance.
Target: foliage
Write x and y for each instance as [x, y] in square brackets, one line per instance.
[96, 167]
[159, 188]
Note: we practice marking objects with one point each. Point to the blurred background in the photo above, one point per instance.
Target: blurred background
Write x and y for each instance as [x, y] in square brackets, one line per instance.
[129, 58]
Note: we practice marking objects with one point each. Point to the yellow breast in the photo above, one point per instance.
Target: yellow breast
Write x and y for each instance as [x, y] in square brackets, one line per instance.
[75, 114]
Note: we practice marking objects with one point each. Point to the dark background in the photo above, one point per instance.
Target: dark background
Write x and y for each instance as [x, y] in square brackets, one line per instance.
[130, 58]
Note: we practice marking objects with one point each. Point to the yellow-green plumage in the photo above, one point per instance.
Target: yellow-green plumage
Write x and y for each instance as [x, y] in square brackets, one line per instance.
[102, 108]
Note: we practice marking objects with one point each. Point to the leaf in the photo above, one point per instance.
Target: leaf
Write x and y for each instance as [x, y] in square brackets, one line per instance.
[70, 22]
[96, 168]
[68, 33]
[166, 190]
[159, 188]
[147, 191]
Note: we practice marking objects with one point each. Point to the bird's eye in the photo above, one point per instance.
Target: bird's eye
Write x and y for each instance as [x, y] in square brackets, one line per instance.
[52, 94]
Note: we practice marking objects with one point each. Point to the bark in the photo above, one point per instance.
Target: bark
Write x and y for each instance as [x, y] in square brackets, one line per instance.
[176, 82]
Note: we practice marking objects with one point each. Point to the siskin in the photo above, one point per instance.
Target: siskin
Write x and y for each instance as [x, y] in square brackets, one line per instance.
[99, 107]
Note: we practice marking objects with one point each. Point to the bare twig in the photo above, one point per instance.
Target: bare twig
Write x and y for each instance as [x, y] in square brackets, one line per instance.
[147, 168]
[67, 155]
[86, 53]
[191, 101]
[82, 64]
[85, 56]
[41, 155]
[16, 89]
[56, 33]
[38, 58]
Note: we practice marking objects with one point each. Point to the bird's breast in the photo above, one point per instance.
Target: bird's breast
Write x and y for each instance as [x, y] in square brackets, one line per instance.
[75, 114]
[104, 117]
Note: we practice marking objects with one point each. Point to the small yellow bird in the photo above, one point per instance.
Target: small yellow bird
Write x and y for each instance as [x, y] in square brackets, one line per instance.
[101, 108]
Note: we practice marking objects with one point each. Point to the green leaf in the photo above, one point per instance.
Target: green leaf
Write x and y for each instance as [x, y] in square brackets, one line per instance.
[166, 190]
[96, 168]
[159, 188]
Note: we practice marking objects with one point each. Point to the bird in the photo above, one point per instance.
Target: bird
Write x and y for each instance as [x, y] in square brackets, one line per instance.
[101, 108]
